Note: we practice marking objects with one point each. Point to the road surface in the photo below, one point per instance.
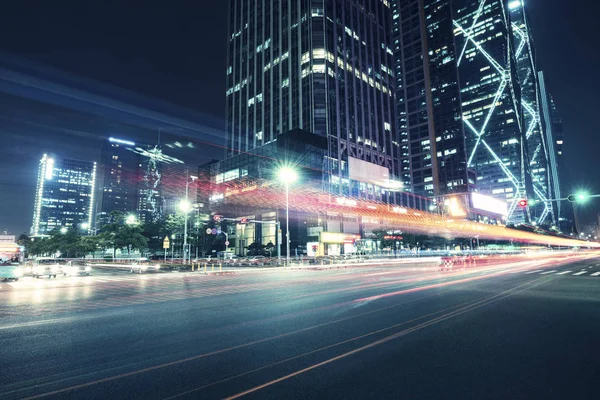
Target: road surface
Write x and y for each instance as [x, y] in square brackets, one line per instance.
[526, 330]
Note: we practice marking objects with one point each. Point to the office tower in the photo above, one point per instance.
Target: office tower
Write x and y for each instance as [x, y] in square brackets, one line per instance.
[467, 98]
[552, 124]
[120, 177]
[64, 195]
[323, 66]
[132, 179]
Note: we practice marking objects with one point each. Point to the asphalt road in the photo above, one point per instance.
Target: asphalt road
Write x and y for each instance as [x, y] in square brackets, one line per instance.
[528, 330]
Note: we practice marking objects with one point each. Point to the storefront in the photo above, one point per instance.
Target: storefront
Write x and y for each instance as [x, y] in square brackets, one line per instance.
[9, 250]
[335, 244]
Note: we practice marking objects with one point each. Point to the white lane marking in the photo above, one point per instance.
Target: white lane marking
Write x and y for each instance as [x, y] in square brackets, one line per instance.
[595, 274]
[563, 273]
[533, 272]
[581, 273]
[548, 272]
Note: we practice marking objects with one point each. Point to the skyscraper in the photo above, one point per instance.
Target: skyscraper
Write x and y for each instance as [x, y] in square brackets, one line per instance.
[468, 102]
[324, 66]
[131, 178]
[120, 176]
[552, 125]
[64, 195]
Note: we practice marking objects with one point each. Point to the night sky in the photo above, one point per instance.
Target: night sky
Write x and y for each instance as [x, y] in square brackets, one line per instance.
[176, 51]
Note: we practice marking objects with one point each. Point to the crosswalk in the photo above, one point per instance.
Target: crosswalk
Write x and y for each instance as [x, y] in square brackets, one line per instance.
[581, 272]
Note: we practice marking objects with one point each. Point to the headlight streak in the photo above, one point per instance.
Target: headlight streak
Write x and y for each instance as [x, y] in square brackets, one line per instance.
[473, 306]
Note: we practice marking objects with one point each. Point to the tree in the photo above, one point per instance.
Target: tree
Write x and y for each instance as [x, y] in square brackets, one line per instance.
[23, 240]
[256, 249]
[87, 245]
[118, 234]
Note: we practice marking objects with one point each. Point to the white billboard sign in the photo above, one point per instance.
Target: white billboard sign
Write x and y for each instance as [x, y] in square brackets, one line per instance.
[489, 204]
[367, 172]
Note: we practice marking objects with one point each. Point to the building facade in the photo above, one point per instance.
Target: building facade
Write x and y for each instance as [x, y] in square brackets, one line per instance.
[468, 102]
[120, 177]
[552, 127]
[323, 66]
[65, 195]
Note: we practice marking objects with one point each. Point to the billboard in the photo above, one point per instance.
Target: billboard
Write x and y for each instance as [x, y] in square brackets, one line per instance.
[489, 204]
[367, 172]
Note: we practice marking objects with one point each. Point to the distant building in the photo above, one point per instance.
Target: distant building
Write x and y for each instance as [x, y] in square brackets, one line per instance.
[9, 249]
[65, 195]
[120, 177]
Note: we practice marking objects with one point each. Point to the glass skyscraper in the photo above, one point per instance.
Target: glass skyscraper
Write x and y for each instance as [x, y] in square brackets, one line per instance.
[64, 196]
[323, 66]
[468, 100]
[120, 177]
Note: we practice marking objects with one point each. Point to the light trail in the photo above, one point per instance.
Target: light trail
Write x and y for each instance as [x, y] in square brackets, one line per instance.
[422, 325]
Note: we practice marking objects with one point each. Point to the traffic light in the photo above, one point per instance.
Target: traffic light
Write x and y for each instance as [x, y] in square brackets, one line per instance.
[243, 220]
[217, 218]
[523, 203]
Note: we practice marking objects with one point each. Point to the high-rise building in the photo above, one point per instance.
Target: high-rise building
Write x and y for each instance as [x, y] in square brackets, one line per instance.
[467, 98]
[552, 127]
[64, 196]
[120, 177]
[131, 179]
[323, 66]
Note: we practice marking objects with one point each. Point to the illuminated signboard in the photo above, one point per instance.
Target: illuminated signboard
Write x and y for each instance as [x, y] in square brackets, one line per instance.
[336, 237]
[489, 204]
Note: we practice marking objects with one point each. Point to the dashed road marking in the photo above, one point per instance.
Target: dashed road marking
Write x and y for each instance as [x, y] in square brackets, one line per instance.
[533, 272]
[580, 273]
[564, 272]
[595, 274]
[548, 272]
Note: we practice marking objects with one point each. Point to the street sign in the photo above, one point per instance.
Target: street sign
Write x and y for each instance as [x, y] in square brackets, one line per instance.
[227, 243]
[166, 243]
[219, 231]
[208, 231]
[213, 231]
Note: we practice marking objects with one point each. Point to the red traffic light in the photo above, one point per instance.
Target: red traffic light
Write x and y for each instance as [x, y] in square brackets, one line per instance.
[217, 218]
[243, 220]
[523, 203]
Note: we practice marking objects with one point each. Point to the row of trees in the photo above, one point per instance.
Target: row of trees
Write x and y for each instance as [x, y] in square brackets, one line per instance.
[119, 233]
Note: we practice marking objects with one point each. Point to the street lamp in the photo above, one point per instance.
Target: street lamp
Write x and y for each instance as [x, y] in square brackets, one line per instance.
[63, 230]
[287, 175]
[131, 219]
[185, 206]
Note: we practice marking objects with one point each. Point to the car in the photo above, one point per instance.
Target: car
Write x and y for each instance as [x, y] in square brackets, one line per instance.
[137, 267]
[77, 268]
[10, 271]
[48, 267]
[256, 260]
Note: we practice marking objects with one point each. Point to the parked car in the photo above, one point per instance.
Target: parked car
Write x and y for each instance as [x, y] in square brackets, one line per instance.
[137, 267]
[77, 268]
[48, 267]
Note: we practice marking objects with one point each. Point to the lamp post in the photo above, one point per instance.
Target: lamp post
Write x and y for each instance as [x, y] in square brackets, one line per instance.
[287, 175]
[185, 206]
